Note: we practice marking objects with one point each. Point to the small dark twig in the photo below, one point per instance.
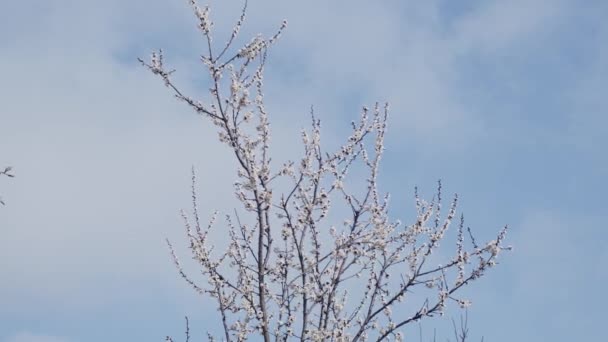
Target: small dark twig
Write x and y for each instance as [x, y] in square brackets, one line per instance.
[187, 330]
[7, 173]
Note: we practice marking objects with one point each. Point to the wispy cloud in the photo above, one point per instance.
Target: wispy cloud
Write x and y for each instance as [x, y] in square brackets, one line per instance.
[29, 337]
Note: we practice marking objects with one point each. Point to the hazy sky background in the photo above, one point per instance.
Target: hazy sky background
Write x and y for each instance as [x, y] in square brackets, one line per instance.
[505, 101]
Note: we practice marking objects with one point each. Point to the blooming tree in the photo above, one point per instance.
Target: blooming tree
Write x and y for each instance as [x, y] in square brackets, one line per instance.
[6, 172]
[287, 270]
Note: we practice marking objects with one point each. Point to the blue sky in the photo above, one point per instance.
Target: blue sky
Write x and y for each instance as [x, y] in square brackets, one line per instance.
[504, 101]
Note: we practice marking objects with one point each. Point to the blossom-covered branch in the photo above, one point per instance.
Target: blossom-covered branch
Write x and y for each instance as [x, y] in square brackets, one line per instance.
[288, 271]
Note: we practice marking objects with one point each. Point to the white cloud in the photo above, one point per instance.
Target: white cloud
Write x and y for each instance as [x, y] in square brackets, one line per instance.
[498, 26]
[405, 53]
[30, 337]
[102, 155]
